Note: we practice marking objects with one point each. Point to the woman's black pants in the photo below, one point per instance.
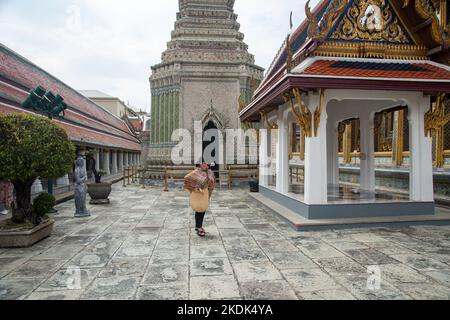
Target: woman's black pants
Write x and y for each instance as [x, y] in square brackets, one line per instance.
[199, 216]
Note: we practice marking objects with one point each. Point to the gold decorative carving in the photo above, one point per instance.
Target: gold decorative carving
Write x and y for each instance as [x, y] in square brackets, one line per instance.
[405, 3]
[435, 10]
[334, 9]
[370, 20]
[265, 120]
[289, 62]
[303, 116]
[435, 120]
[436, 117]
[371, 50]
[318, 113]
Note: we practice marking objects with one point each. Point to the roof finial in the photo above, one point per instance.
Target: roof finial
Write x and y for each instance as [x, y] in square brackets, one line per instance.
[291, 25]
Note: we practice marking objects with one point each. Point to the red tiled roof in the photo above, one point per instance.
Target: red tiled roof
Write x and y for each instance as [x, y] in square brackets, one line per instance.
[83, 135]
[395, 70]
[21, 75]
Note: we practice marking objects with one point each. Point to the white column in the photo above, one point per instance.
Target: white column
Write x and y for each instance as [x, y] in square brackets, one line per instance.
[63, 181]
[106, 155]
[316, 189]
[37, 187]
[421, 175]
[120, 156]
[97, 160]
[264, 168]
[125, 156]
[333, 154]
[114, 162]
[283, 152]
[367, 160]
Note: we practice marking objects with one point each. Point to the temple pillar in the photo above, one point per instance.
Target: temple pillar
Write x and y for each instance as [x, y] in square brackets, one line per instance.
[37, 187]
[333, 155]
[397, 139]
[282, 183]
[97, 159]
[421, 175]
[264, 165]
[120, 160]
[316, 182]
[367, 154]
[63, 181]
[114, 162]
[347, 143]
[106, 156]
[125, 159]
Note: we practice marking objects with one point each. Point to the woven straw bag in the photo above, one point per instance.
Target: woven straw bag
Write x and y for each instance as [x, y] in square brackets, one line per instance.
[200, 200]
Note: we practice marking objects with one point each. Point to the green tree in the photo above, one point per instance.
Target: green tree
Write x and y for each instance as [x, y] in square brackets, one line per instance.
[30, 147]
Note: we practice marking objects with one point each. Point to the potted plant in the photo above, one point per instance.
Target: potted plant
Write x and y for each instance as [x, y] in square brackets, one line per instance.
[254, 185]
[99, 191]
[30, 147]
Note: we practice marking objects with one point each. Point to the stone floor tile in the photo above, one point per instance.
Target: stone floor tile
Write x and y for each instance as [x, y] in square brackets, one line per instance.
[400, 273]
[114, 288]
[169, 292]
[256, 271]
[134, 251]
[213, 287]
[69, 279]
[291, 260]
[130, 267]
[55, 295]
[326, 295]
[211, 266]
[316, 249]
[309, 280]
[369, 257]
[157, 275]
[341, 265]
[36, 269]
[268, 290]
[442, 276]
[358, 286]
[420, 262]
[17, 289]
[426, 291]
[277, 246]
[208, 251]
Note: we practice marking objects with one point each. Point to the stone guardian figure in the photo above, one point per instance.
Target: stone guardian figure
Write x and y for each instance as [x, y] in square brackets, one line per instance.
[80, 178]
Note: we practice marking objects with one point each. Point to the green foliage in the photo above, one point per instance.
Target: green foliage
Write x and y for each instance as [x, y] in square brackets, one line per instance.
[90, 153]
[33, 146]
[43, 203]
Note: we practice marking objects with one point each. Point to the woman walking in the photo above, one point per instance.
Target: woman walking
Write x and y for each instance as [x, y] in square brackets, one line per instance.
[200, 183]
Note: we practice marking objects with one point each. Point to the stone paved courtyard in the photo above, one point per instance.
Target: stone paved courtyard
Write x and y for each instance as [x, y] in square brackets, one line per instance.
[143, 246]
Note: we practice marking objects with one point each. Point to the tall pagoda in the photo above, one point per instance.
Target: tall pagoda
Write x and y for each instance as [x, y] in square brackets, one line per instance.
[206, 74]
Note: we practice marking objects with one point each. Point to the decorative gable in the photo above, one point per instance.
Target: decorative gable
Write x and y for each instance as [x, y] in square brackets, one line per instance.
[371, 21]
[364, 29]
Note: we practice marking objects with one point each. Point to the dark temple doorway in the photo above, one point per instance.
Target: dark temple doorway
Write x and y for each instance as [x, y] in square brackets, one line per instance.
[210, 150]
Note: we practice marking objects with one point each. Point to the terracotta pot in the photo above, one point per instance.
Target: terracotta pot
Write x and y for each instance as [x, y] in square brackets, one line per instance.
[99, 192]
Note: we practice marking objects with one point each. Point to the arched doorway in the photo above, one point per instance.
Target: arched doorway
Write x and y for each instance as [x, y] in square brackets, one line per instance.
[210, 150]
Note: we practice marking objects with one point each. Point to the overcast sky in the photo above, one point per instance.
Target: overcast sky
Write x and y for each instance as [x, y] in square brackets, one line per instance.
[110, 45]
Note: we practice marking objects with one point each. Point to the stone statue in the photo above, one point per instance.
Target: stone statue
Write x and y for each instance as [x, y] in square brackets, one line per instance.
[80, 178]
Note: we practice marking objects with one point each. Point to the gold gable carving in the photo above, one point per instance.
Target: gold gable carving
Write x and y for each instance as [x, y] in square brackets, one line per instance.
[333, 12]
[354, 25]
[436, 11]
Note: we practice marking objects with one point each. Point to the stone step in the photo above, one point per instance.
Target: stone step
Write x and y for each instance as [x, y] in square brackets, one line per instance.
[442, 217]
